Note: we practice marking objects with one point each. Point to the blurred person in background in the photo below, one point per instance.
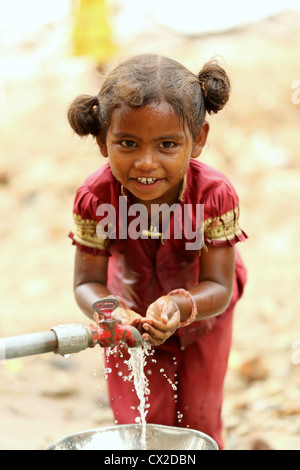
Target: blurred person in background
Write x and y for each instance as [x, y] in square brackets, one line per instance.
[92, 32]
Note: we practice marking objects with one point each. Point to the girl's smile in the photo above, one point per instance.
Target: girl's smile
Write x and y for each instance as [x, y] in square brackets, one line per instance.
[149, 151]
[146, 184]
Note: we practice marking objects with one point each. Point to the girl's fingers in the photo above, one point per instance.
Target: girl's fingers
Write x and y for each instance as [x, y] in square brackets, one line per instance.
[153, 340]
[154, 325]
[156, 336]
[126, 316]
[159, 324]
[154, 333]
[137, 324]
[161, 320]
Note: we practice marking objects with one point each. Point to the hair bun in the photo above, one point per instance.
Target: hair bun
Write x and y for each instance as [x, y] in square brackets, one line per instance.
[215, 86]
[83, 115]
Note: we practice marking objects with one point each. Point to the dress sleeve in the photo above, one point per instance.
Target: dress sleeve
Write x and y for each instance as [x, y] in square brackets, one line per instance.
[221, 222]
[84, 233]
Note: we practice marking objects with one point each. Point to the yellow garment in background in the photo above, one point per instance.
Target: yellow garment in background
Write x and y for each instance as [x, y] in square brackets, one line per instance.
[92, 33]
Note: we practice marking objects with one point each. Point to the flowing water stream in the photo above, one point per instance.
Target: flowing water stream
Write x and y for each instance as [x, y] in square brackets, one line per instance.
[136, 363]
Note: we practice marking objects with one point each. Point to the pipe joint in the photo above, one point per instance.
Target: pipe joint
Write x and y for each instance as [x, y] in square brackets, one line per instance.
[71, 338]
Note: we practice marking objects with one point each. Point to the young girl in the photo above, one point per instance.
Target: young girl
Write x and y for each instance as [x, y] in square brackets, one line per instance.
[149, 121]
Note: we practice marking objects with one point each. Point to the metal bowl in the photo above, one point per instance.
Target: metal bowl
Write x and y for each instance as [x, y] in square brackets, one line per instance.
[128, 437]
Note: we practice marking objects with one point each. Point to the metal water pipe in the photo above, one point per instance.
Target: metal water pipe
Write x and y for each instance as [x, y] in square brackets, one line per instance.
[74, 337]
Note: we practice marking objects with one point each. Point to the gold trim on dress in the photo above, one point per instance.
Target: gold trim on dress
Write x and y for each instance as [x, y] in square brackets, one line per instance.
[223, 228]
[123, 192]
[84, 232]
[183, 188]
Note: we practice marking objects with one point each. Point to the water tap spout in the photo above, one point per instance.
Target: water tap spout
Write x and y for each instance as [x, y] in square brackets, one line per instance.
[109, 332]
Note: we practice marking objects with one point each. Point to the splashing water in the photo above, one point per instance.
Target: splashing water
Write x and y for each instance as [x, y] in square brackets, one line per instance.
[173, 385]
[136, 364]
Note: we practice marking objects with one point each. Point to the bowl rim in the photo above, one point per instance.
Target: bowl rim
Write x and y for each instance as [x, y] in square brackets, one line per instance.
[201, 434]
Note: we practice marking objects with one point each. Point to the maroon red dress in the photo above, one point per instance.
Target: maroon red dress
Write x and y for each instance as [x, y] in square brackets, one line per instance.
[141, 270]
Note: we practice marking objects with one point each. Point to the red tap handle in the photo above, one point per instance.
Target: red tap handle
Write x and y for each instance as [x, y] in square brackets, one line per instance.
[105, 307]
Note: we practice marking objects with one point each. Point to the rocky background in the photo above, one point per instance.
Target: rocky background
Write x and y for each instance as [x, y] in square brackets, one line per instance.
[255, 141]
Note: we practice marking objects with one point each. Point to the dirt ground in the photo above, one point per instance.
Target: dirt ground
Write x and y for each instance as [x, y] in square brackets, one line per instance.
[255, 141]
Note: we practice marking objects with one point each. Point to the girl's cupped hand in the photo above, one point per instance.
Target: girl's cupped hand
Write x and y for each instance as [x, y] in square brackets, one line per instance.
[161, 321]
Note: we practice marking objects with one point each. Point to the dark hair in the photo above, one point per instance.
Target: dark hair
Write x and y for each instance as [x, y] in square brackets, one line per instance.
[148, 78]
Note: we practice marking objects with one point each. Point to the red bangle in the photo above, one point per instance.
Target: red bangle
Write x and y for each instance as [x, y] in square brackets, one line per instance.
[194, 311]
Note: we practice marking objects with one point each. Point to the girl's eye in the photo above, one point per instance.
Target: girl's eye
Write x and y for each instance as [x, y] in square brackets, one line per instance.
[127, 143]
[167, 145]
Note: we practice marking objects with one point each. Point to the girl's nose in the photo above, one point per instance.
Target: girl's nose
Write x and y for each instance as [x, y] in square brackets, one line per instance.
[146, 162]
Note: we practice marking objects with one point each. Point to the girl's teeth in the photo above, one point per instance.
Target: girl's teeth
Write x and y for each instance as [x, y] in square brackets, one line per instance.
[146, 180]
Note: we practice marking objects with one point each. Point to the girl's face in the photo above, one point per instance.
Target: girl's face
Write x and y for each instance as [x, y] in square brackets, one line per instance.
[149, 151]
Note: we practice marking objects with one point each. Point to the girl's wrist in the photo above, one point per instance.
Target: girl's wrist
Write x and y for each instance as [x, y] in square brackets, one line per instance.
[192, 304]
